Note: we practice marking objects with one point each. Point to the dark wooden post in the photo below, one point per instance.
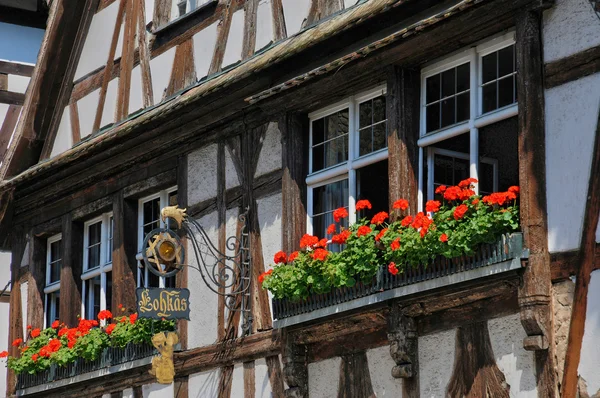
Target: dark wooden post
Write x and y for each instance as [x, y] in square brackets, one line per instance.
[403, 131]
[404, 349]
[181, 280]
[15, 330]
[295, 367]
[70, 274]
[293, 128]
[37, 281]
[535, 292]
[124, 248]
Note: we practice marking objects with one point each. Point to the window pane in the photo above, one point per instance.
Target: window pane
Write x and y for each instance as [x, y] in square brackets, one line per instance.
[505, 91]
[433, 89]
[379, 109]
[433, 117]
[489, 97]
[379, 136]
[56, 251]
[93, 256]
[52, 309]
[489, 68]
[318, 131]
[92, 301]
[449, 170]
[463, 107]
[372, 184]
[55, 271]
[486, 178]
[109, 291]
[94, 233]
[318, 158]
[506, 64]
[336, 124]
[448, 83]
[463, 77]
[326, 199]
[336, 151]
[335, 148]
[448, 109]
[365, 141]
[365, 114]
[153, 280]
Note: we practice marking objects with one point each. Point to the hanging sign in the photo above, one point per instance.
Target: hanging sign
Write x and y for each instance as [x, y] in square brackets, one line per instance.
[163, 303]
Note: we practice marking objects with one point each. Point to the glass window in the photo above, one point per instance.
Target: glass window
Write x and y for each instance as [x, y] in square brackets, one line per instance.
[94, 248]
[330, 140]
[55, 261]
[326, 199]
[52, 309]
[52, 288]
[372, 125]
[498, 79]
[447, 97]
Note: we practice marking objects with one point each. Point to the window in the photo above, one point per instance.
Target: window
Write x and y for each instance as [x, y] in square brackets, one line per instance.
[149, 219]
[97, 266]
[347, 158]
[461, 97]
[52, 289]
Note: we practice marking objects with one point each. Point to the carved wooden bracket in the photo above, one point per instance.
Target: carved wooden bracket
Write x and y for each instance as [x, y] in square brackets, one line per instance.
[402, 335]
[535, 313]
[295, 369]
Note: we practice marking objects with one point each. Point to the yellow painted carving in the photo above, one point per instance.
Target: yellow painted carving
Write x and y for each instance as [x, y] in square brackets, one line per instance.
[162, 366]
[173, 212]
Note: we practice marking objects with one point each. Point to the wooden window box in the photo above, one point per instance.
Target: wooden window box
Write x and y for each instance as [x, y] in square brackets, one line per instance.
[490, 259]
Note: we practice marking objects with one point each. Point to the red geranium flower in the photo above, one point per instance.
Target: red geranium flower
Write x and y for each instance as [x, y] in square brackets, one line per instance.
[55, 324]
[280, 257]
[363, 230]
[514, 189]
[35, 332]
[432, 206]
[406, 221]
[320, 254]
[393, 269]
[54, 345]
[444, 238]
[363, 204]
[341, 238]
[293, 256]
[395, 245]
[452, 193]
[261, 277]
[133, 317]
[440, 189]
[17, 342]
[110, 328]
[71, 343]
[308, 241]
[498, 198]
[62, 332]
[331, 229]
[460, 211]
[401, 204]
[340, 213]
[379, 218]
[467, 183]
[44, 352]
[28, 327]
[322, 243]
[104, 314]
[34, 357]
[3, 354]
[25, 348]
[475, 201]
[465, 194]
[380, 234]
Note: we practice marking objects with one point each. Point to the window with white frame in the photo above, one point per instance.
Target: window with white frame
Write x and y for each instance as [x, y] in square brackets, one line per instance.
[97, 266]
[52, 288]
[468, 119]
[149, 219]
[347, 158]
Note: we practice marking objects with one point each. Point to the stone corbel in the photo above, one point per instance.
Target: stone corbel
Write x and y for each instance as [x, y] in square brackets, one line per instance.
[295, 369]
[402, 335]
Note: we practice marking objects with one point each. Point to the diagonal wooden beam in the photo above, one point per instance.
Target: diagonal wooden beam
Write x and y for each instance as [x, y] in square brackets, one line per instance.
[11, 97]
[250, 18]
[222, 36]
[124, 90]
[144, 51]
[587, 257]
[279, 28]
[8, 127]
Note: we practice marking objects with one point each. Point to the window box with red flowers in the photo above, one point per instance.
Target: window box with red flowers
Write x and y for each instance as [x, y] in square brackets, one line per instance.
[59, 352]
[381, 258]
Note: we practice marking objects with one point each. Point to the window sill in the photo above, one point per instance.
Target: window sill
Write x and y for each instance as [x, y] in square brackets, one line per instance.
[490, 259]
[167, 32]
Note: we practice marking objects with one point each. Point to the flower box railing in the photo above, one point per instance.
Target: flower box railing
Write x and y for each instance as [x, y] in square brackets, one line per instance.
[507, 250]
[110, 356]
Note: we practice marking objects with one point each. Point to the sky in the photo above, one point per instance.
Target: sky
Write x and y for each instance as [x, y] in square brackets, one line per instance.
[20, 43]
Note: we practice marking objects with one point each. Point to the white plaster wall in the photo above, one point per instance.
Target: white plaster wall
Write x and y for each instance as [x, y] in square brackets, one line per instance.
[233, 49]
[237, 382]
[262, 382]
[64, 135]
[349, 3]
[231, 179]
[157, 390]
[506, 335]
[589, 364]
[569, 27]
[571, 119]
[436, 359]
[97, 43]
[18, 83]
[135, 90]
[264, 25]
[380, 370]
[269, 218]
[323, 378]
[204, 385]
[204, 47]
[295, 12]
[87, 107]
[149, 10]
[270, 155]
[110, 104]
[202, 174]
[160, 67]
[202, 329]
[128, 393]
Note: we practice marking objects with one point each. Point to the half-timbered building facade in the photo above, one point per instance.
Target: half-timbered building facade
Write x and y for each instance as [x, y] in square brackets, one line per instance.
[287, 110]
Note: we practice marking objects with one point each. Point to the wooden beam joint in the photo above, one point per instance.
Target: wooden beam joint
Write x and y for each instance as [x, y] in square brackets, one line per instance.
[295, 368]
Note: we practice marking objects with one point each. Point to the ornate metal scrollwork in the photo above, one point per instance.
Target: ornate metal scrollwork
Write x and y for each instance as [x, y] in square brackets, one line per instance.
[226, 274]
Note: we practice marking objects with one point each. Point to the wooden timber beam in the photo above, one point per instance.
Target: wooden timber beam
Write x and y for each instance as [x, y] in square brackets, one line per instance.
[70, 273]
[573, 67]
[535, 293]
[564, 265]
[11, 97]
[50, 85]
[587, 260]
[181, 280]
[15, 329]
[124, 250]
[14, 68]
[404, 349]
